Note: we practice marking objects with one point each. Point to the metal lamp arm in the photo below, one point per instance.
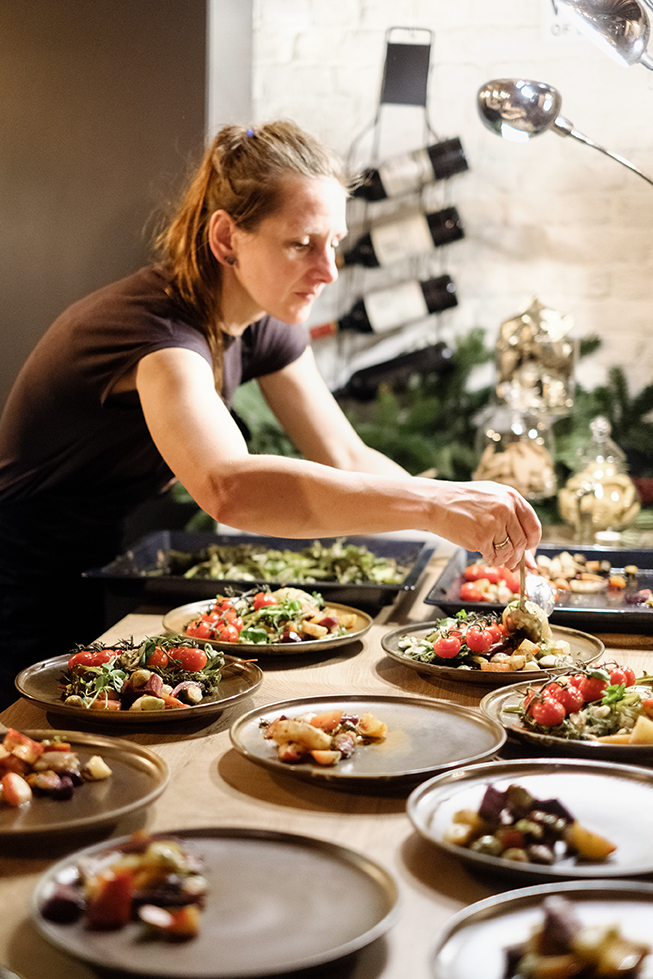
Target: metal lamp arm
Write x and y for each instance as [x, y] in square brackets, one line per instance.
[563, 127]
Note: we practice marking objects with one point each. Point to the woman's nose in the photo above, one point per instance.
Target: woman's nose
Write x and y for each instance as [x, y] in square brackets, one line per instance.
[326, 265]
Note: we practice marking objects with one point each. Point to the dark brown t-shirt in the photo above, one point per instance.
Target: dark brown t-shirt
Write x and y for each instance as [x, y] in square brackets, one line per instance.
[64, 437]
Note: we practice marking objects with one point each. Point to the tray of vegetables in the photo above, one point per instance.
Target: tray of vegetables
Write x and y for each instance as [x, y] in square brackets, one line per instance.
[597, 588]
[367, 572]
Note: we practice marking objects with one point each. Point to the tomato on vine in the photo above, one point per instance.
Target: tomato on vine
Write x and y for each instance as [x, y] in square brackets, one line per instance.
[446, 647]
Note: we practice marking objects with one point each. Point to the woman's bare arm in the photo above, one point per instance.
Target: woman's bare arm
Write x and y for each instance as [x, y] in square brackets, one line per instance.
[285, 497]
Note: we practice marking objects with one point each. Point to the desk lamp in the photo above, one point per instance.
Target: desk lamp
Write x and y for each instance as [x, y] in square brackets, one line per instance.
[620, 28]
[518, 109]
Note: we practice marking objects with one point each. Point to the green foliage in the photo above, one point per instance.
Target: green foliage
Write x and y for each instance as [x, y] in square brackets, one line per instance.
[430, 424]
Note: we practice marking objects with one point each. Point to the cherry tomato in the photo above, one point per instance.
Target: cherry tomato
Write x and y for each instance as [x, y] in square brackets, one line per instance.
[592, 688]
[80, 659]
[575, 680]
[200, 629]
[497, 630]
[237, 623]
[622, 674]
[221, 606]
[511, 579]
[470, 593]
[547, 712]
[158, 658]
[492, 574]
[263, 598]
[647, 706]
[228, 633]
[571, 699]
[478, 640]
[473, 572]
[446, 646]
[103, 656]
[189, 659]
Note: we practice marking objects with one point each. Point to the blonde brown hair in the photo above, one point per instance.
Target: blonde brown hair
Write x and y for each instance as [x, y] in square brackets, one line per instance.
[242, 172]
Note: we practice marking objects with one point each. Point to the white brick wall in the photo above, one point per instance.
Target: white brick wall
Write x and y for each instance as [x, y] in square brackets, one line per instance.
[551, 218]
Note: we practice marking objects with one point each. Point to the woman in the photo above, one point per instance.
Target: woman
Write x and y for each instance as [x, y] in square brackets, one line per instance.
[132, 386]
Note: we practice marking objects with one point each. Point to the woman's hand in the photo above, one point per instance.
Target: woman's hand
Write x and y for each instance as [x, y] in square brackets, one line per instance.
[488, 517]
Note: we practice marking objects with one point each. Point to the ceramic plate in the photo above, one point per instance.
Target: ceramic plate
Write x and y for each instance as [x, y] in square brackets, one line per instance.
[176, 621]
[276, 902]
[40, 683]
[138, 777]
[584, 648]
[473, 942]
[613, 800]
[424, 736]
[493, 705]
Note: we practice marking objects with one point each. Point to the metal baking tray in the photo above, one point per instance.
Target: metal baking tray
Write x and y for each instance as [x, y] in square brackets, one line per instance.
[127, 575]
[601, 612]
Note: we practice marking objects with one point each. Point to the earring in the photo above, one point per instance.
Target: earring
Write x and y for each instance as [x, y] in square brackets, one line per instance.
[230, 259]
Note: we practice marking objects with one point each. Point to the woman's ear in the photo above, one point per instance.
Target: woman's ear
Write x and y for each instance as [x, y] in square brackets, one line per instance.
[221, 232]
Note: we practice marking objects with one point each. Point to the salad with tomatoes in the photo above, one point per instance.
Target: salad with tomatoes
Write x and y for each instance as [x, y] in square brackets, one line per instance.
[481, 641]
[606, 703]
[287, 615]
[161, 673]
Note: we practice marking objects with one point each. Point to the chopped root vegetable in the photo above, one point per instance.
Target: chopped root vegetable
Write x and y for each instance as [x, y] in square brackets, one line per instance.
[15, 790]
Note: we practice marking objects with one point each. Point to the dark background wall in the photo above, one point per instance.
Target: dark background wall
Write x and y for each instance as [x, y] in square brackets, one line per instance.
[102, 110]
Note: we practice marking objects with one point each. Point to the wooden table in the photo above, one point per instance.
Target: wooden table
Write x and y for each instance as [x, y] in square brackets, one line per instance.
[212, 785]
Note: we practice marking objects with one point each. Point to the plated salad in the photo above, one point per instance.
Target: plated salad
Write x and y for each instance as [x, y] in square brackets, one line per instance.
[160, 673]
[606, 703]
[287, 615]
[488, 642]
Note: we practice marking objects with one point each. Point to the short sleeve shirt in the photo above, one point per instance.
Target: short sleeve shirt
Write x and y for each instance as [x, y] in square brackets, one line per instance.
[62, 435]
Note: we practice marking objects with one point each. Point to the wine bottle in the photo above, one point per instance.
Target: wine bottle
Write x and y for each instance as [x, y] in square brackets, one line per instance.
[410, 172]
[387, 309]
[398, 239]
[364, 384]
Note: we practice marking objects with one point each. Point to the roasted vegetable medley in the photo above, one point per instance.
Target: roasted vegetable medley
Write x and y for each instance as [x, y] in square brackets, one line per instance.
[561, 947]
[160, 673]
[342, 562]
[153, 880]
[286, 615]
[325, 738]
[512, 824]
[30, 769]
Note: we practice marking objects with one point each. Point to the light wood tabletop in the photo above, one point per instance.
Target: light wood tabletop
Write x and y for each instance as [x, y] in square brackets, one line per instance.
[213, 785]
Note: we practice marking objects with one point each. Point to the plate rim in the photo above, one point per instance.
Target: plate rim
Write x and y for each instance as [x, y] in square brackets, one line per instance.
[457, 921]
[91, 739]
[378, 874]
[137, 717]
[468, 676]
[488, 704]
[330, 775]
[277, 649]
[503, 768]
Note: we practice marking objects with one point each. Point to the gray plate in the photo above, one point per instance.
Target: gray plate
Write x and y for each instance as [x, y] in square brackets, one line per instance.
[40, 683]
[276, 902]
[424, 736]
[613, 800]
[138, 777]
[584, 648]
[177, 619]
[474, 940]
[493, 705]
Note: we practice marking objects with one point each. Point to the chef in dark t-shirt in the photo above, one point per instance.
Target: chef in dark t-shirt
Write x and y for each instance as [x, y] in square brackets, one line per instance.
[132, 386]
